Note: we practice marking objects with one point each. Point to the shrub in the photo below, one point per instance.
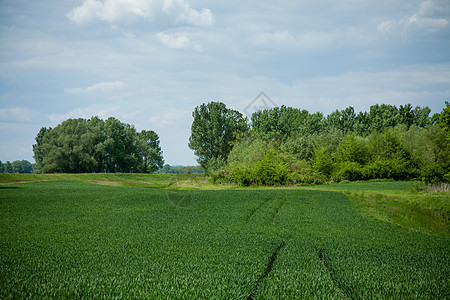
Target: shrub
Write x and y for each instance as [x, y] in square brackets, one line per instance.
[387, 169]
[350, 171]
[272, 169]
[322, 162]
[215, 164]
[434, 173]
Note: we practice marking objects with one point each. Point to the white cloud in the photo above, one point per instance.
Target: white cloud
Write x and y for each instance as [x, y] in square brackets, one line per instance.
[85, 113]
[430, 16]
[17, 115]
[176, 41]
[113, 11]
[172, 41]
[195, 17]
[312, 41]
[98, 87]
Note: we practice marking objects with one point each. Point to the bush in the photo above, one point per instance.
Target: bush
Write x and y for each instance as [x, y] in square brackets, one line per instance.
[434, 173]
[387, 169]
[272, 169]
[215, 164]
[350, 171]
[322, 162]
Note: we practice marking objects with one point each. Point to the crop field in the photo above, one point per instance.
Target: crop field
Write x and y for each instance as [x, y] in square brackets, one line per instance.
[71, 238]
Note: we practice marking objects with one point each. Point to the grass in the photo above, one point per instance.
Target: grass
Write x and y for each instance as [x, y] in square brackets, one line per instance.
[64, 237]
[114, 179]
[399, 203]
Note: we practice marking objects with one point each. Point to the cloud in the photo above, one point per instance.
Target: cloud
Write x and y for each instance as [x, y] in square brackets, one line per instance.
[98, 87]
[431, 16]
[114, 11]
[176, 41]
[194, 17]
[275, 38]
[312, 41]
[85, 113]
[172, 41]
[18, 115]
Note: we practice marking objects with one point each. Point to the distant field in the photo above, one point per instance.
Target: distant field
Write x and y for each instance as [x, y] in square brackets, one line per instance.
[115, 179]
[66, 237]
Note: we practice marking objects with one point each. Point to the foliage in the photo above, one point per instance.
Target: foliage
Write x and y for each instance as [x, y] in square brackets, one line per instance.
[94, 145]
[322, 162]
[66, 239]
[385, 143]
[214, 164]
[17, 166]
[214, 130]
[444, 119]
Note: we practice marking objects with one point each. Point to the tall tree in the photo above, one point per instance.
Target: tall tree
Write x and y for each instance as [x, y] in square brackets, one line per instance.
[214, 130]
[444, 119]
[37, 148]
[343, 120]
[150, 151]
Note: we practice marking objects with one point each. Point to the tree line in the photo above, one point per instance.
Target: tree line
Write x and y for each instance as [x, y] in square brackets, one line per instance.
[17, 166]
[96, 145]
[286, 145]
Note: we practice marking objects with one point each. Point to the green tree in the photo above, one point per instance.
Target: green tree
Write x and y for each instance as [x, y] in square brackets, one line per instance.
[283, 122]
[353, 149]
[422, 116]
[150, 151]
[322, 162]
[382, 117]
[390, 157]
[444, 119]
[94, 145]
[343, 120]
[214, 130]
[22, 166]
[37, 148]
[7, 167]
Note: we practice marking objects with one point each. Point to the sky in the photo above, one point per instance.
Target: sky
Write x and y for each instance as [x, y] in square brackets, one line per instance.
[149, 63]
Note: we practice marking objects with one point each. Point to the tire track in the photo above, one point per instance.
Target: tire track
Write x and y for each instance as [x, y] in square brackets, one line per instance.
[278, 209]
[268, 269]
[327, 270]
[253, 211]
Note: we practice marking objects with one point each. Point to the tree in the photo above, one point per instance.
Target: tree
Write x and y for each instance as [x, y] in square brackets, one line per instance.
[214, 131]
[150, 151]
[94, 145]
[343, 120]
[422, 116]
[7, 167]
[352, 149]
[22, 166]
[37, 148]
[444, 119]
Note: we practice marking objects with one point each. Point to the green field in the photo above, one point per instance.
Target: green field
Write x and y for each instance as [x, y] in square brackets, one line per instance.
[144, 236]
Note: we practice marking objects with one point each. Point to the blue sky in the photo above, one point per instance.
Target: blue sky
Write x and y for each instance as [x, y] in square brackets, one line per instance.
[150, 62]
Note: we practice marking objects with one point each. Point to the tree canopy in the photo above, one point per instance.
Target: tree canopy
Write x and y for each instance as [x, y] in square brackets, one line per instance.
[17, 166]
[214, 130]
[95, 145]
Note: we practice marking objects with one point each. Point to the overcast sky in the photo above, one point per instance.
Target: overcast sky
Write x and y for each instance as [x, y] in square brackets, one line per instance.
[151, 62]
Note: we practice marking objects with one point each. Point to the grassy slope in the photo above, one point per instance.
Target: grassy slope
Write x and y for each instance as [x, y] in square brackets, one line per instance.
[398, 203]
[66, 239]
